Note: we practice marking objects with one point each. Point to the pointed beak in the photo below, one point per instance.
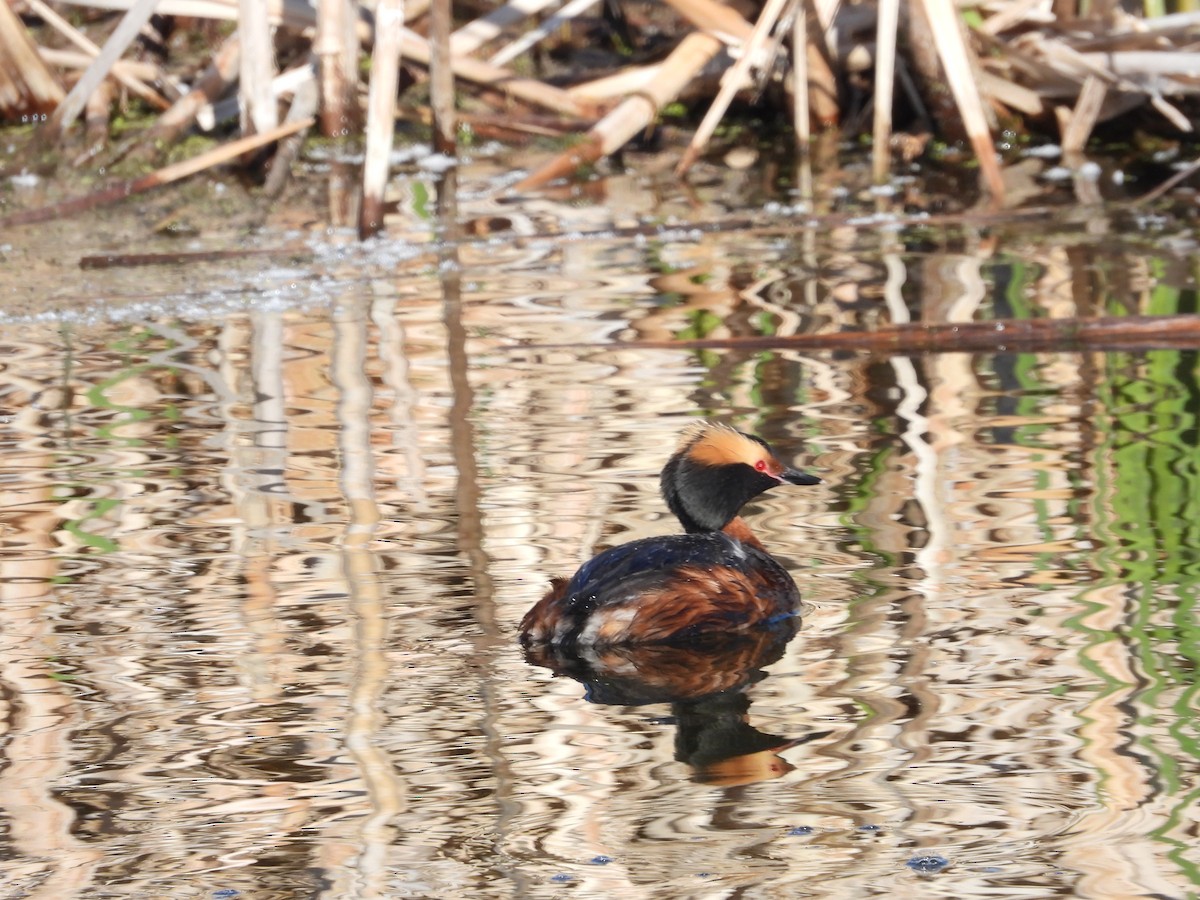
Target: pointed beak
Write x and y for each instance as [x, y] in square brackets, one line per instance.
[795, 476]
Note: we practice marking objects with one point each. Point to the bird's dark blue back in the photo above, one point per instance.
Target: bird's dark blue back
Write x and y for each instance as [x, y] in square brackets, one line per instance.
[626, 570]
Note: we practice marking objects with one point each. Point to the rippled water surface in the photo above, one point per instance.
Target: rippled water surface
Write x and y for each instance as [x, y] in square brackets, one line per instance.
[269, 525]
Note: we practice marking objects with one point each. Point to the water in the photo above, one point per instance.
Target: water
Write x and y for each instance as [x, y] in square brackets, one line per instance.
[269, 526]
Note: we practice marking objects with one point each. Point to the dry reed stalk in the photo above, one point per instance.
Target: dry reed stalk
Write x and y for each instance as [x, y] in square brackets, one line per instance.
[1011, 94]
[501, 127]
[1015, 12]
[256, 68]
[527, 90]
[336, 49]
[822, 80]
[441, 78]
[801, 123]
[305, 100]
[121, 69]
[634, 114]
[127, 29]
[213, 84]
[1183, 174]
[511, 51]
[415, 9]
[26, 85]
[952, 49]
[127, 68]
[95, 116]
[733, 81]
[291, 13]
[381, 112]
[709, 15]
[629, 80]
[471, 37]
[158, 178]
[886, 26]
[1083, 119]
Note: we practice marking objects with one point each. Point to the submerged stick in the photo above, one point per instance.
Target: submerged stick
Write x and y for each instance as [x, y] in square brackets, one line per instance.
[155, 179]
[999, 336]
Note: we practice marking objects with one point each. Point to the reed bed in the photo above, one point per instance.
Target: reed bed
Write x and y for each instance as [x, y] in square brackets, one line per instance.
[595, 73]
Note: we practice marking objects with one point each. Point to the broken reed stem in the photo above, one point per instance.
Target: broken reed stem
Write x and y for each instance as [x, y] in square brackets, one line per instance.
[336, 49]
[211, 86]
[634, 114]
[305, 101]
[711, 15]
[1085, 115]
[886, 26]
[72, 105]
[733, 81]
[800, 112]
[529, 90]
[26, 85]
[573, 9]
[256, 67]
[381, 112]
[441, 78]
[474, 35]
[823, 81]
[80, 40]
[952, 50]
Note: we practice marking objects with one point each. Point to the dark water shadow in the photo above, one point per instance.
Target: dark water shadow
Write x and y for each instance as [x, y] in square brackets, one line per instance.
[705, 683]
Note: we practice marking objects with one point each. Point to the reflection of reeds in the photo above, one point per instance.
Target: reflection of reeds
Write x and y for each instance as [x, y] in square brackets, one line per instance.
[999, 578]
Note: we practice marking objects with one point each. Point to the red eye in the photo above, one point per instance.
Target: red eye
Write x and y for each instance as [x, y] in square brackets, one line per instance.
[761, 465]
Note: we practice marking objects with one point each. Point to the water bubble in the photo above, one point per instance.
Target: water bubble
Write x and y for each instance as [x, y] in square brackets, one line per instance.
[601, 860]
[928, 865]
[562, 878]
[800, 831]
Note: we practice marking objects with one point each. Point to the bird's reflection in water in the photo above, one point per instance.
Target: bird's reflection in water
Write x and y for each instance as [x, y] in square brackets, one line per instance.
[704, 682]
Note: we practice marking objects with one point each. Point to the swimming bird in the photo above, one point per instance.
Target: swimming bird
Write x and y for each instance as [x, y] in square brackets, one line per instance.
[716, 577]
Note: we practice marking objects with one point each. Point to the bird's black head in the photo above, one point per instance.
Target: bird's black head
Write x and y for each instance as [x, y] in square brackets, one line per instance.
[716, 471]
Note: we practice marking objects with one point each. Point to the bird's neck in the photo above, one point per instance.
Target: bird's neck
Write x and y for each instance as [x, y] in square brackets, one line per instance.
[740, 531]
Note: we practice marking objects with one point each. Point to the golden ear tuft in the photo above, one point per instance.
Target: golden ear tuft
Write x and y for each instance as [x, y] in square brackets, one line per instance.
[714, 444]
